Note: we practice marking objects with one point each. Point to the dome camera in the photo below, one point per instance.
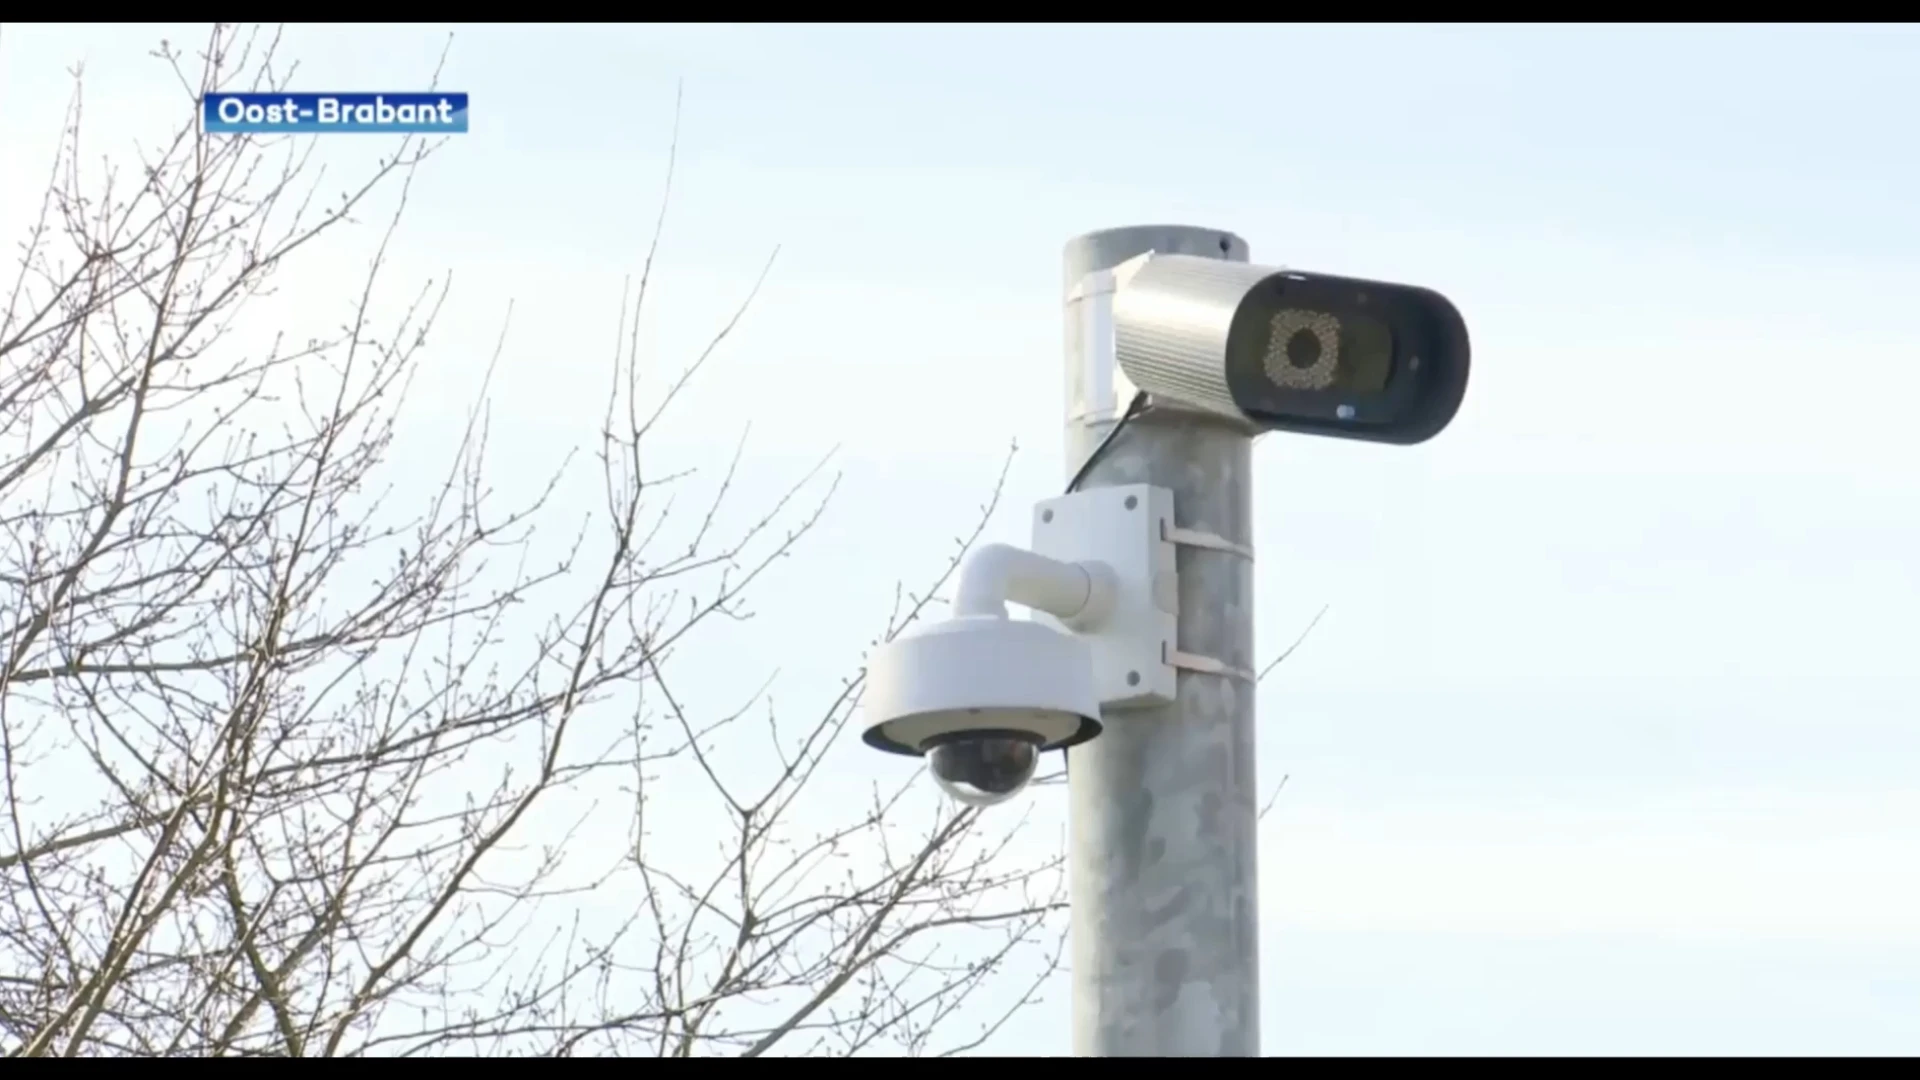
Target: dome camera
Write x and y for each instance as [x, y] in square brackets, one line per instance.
[981, 697]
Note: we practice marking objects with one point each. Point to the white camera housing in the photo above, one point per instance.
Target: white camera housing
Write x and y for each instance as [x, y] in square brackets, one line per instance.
[1377, 361]
[981, 673]
[1101, 577]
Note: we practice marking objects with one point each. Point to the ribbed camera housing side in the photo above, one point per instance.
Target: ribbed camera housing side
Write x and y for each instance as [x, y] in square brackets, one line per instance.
[1171, 319]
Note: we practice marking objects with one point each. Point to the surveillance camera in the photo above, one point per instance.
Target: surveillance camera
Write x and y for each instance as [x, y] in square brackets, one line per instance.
[1284, 350]
[981, 697]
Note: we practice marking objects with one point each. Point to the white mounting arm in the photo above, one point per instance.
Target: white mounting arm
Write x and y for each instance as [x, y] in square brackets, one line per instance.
[1079, 594]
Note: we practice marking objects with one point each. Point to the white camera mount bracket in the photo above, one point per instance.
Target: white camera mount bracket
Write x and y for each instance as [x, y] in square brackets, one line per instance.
[1130, 529]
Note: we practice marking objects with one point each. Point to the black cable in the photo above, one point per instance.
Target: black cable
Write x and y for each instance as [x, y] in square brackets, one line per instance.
[1134, 408]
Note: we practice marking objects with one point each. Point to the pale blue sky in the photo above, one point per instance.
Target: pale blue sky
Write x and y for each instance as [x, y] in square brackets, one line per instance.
[1608, 741]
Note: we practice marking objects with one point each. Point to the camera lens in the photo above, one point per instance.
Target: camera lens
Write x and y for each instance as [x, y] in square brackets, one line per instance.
[1314, 350]
[981, 769]
[1304, 350]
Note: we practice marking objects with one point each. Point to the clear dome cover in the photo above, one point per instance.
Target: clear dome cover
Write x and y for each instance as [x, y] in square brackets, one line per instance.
[981, 769]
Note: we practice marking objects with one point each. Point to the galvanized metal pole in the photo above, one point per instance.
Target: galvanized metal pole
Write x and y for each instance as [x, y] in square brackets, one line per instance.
[1165, 915]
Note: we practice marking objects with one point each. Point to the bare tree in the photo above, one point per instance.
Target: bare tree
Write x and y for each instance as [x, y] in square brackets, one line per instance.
[293, 754]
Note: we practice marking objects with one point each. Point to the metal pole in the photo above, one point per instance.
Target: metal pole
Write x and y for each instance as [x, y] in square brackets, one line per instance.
[1163, 871]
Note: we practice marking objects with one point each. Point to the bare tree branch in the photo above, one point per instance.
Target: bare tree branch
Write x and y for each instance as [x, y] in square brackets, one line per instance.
[311, 738]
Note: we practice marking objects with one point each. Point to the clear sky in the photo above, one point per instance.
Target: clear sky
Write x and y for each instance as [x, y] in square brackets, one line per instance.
[1608, 740]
